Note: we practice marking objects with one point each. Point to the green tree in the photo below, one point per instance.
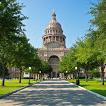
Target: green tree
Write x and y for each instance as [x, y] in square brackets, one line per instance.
[10, 24]
[5, 57]
[32, 61]
[10, 18]
[25, 55]
[98, 11]
[86, 54]
[68, 62]
[45, 67]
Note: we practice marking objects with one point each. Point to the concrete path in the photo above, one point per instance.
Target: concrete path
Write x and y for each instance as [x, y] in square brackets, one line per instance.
[53, 93]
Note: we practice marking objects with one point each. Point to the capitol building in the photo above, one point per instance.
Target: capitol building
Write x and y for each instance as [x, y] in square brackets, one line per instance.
[54, 45]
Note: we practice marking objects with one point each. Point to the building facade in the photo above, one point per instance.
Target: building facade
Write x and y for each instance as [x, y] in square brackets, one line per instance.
[54, 45]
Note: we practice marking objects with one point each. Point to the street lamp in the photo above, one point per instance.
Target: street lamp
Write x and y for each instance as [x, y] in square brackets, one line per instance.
[66, 74]
[29, 74]
[77, 79]
[40, 72]
[76, 68]
[29, 68]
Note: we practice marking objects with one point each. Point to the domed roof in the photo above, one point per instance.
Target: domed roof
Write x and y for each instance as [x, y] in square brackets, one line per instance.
[53, 23]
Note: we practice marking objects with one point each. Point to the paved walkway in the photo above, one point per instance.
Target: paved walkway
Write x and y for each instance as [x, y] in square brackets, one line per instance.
[53, 93]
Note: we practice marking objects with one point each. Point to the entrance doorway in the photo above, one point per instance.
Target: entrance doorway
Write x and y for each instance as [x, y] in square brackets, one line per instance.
[54, 63]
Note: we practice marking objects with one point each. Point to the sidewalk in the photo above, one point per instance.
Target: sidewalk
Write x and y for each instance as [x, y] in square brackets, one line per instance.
[53, 93]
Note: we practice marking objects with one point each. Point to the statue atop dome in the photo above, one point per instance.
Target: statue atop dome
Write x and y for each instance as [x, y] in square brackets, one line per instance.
[54, 15]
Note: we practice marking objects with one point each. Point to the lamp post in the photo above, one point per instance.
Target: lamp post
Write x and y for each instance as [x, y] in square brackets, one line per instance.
[103, 72]
[29, 75]
[39, 74]
[77, 79]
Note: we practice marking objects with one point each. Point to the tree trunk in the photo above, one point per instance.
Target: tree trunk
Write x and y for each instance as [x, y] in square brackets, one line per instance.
[77, 79]
[20, 75]
[37, 76]
[34, 76]
[102, 74]
[3, 76]
[3, 80]
[86, 75]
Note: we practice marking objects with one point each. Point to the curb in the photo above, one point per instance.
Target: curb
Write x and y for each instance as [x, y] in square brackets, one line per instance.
[5, 95]
[94, 93]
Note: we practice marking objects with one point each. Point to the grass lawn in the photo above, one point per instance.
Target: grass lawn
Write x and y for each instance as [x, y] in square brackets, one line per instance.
[13, 84]
[93, 85]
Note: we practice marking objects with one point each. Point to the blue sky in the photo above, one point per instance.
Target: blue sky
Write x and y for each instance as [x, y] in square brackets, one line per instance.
[71, 14]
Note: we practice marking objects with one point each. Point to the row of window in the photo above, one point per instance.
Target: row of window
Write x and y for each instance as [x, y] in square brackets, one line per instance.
[52, 31]
[53, 38]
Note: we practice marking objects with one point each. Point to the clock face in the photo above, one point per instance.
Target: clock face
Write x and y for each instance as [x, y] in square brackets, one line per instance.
[53, 45]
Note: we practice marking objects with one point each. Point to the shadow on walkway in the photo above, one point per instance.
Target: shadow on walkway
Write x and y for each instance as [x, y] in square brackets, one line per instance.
[34, 96]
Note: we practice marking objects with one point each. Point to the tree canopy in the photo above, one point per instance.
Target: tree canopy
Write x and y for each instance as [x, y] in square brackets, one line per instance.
[89, 52]
[15, 49]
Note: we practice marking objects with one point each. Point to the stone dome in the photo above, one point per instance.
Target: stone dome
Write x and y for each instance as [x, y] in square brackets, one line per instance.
[54, 25]
[53, 36]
